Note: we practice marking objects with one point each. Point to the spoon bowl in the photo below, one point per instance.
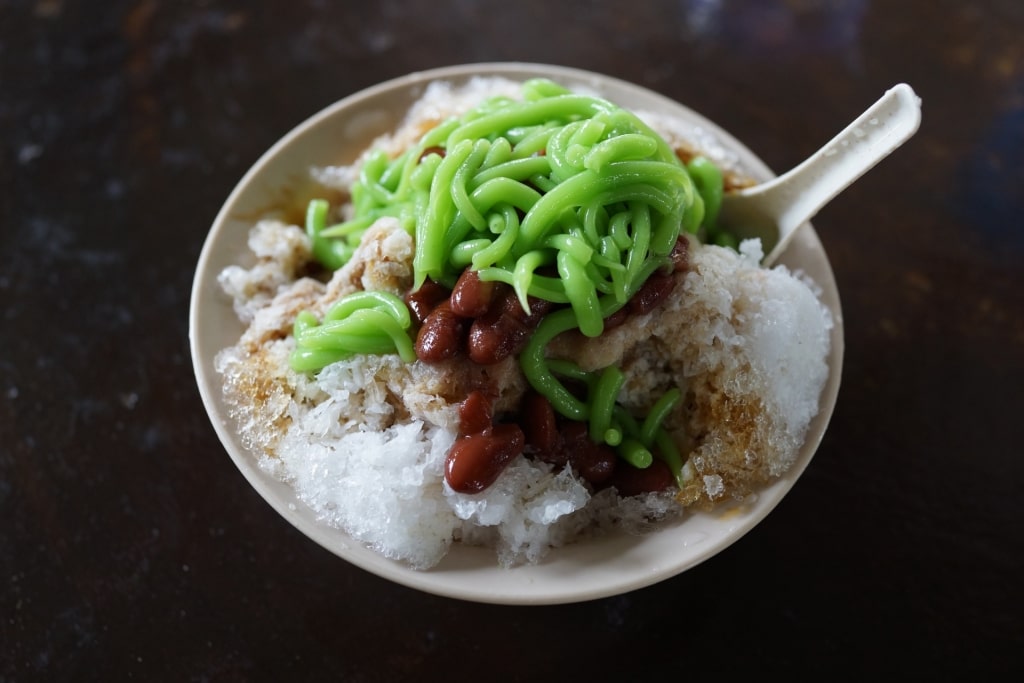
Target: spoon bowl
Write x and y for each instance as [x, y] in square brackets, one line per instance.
[776, 209]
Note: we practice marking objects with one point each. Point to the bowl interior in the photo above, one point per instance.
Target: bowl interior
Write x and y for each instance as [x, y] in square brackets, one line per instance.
[584, 571]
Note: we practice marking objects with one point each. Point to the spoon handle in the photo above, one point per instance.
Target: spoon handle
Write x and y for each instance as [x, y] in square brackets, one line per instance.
[796, 196]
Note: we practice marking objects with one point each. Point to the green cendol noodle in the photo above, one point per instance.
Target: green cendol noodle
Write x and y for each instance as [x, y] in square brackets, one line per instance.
[554, 180]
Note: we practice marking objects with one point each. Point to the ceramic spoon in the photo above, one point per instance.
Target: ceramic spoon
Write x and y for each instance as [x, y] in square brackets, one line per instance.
[776, 209]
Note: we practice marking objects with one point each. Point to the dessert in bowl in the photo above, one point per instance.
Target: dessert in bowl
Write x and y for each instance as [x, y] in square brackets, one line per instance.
[363, 446]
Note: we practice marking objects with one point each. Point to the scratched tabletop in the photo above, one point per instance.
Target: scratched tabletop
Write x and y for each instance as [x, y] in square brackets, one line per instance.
[131, 548]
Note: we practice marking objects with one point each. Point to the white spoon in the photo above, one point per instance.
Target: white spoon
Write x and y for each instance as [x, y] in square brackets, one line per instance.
[776, 209]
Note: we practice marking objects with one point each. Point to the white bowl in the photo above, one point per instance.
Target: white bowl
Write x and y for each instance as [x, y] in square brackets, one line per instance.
[583, 571]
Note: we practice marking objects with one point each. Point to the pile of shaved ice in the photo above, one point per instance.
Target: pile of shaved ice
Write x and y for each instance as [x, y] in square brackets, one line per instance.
[364, 441]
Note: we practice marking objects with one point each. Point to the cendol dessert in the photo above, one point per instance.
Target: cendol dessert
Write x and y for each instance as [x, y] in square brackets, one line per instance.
[514, 322]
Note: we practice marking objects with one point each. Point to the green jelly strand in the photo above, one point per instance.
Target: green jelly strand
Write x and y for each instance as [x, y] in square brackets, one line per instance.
[330, 253]
[362, 322]
[538, 374]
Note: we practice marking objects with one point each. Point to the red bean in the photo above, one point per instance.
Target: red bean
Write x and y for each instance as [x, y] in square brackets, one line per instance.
[425, 299]
[680, 254]
[474, 414]
[442, 335]
[504, 329]
[471, 296]
[539, 425]
[440, 151]
[492, 343]
[616, 318]
[632, 481]
[593, 461]
[655, 290]
[477, 460]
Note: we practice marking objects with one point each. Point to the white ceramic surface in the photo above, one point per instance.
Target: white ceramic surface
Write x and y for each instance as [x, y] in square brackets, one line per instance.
[583, 571]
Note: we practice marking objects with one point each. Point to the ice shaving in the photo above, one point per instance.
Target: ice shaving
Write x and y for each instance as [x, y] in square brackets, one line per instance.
[514, 322]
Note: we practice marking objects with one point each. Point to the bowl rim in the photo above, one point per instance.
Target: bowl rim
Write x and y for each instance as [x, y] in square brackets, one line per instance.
[477, 576]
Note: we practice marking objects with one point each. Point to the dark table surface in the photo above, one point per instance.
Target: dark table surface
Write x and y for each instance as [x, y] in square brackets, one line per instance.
[132, 548]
